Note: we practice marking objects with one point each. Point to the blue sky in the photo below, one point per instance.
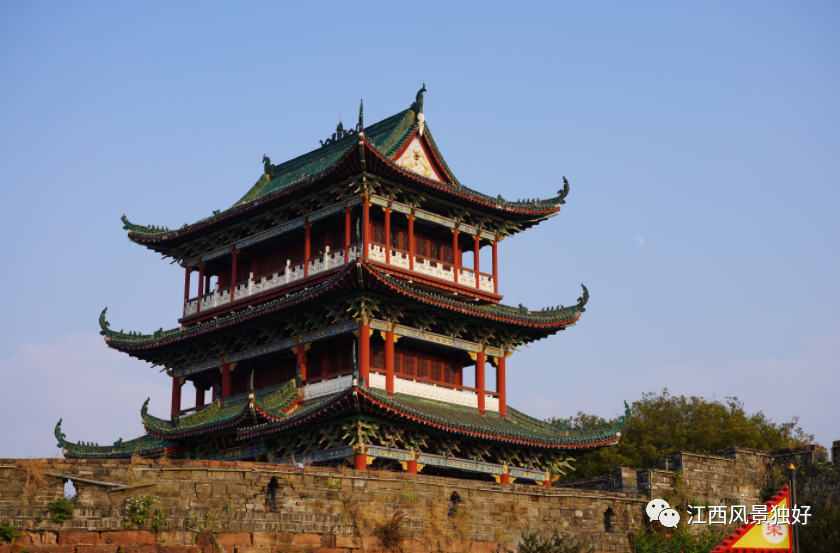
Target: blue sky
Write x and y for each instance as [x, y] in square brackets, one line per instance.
[701, 142]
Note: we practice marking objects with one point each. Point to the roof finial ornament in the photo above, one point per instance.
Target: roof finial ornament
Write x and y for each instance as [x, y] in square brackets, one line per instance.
[583, 299]
[268, 168]
[417, 107]
[563, 193]
[59, 435]
[360, 128]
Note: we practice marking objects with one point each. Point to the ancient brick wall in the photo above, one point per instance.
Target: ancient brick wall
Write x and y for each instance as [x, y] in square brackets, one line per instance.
[312, 509]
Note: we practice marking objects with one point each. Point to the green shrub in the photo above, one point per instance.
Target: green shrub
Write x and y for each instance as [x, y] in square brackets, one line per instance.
[678, 541]
[62, 509]
[391, 532]
[534, 543]
[8, 532]
[138, 509]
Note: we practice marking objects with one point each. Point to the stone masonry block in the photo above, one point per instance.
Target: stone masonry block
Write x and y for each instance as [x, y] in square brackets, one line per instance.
[253, 549]
[175, 538]
[178, 549]
[97, 548]
[44, 548]
[263, 538]
[234, 539]
[349, 542]
[77, 538]
[139, 537]
[307, 540]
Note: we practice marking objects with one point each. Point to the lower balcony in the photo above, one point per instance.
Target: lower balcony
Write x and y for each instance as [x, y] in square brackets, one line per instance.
[430, 267]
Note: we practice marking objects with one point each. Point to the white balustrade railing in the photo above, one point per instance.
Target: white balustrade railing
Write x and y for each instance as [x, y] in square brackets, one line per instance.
[399, 259]
[376, 252]
[435, 393]
[327, 387]
[466, 277]
[485, 283]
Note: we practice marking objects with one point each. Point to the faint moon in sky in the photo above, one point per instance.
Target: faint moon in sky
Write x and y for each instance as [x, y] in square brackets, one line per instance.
[640, 240]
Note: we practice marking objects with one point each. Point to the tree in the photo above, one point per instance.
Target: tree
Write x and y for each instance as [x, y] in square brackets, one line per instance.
[661, 424]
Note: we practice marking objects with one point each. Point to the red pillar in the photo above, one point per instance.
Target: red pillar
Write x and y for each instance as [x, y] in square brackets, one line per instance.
[347, 235]
[301, 360]
[547, 483]
[411, 242]
[360, 461]
[475, 264]
[306, 251]
[388, 235]
[226, 380]
[495, 268]
[505, 479]
[365, 229]
[389, 362]
[479, 381]
[207, 283]
[500, 384]
[233, 267]
[187, 288]
[411, 467]
[199, 396]
[456, 257]
[176, 395]
[364, 351]
[200, 287]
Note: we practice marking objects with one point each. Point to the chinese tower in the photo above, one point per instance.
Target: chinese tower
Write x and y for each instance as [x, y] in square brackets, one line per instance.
[335, 321]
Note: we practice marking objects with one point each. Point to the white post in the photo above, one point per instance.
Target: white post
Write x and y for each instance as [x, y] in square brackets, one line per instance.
[216, 295]
[250, 284]
[288, 270]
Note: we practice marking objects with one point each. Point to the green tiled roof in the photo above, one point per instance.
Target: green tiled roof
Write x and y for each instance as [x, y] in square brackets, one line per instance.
[386, 137]
[147, 445]
[516, 425]
[224, 411]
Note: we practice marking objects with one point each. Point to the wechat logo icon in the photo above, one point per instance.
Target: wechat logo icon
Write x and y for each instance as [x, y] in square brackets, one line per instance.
[659, 510]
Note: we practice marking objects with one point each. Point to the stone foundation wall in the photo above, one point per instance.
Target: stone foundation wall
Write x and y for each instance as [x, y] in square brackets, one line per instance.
[253, 508]
[268, 509]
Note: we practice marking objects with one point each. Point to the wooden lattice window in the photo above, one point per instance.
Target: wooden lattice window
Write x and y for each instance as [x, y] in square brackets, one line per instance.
[422, 368]
[317, 245]
[408, 365]
[378, 359]
[448, 373]
[269, 264]
[313, 365]
[447, 254]
[242, 272]
[379, 234]
[435, 370]
[434, 250]
[422, 247]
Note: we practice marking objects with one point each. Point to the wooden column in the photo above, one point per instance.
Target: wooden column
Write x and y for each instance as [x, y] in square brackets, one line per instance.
[187, 288]
[456, 257]
[388, 235]
[176, 394]
[500, 384]
[547, 483]
[301, 360]
[226, 384]
[411, 242]
[199, 396]
[365, 229]
[495, 267]
[505, 479]
[389, 361]
[217, 383]
[347, 235]
[200, 287]
[306, 250]
[255, 267]
[479, 382]
[475, 261]
[207, 283]
[360, 461]
[234, 261]
[364, 350]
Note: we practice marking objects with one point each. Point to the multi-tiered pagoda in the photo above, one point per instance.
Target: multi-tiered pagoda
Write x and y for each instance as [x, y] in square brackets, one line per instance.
[335, 320]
